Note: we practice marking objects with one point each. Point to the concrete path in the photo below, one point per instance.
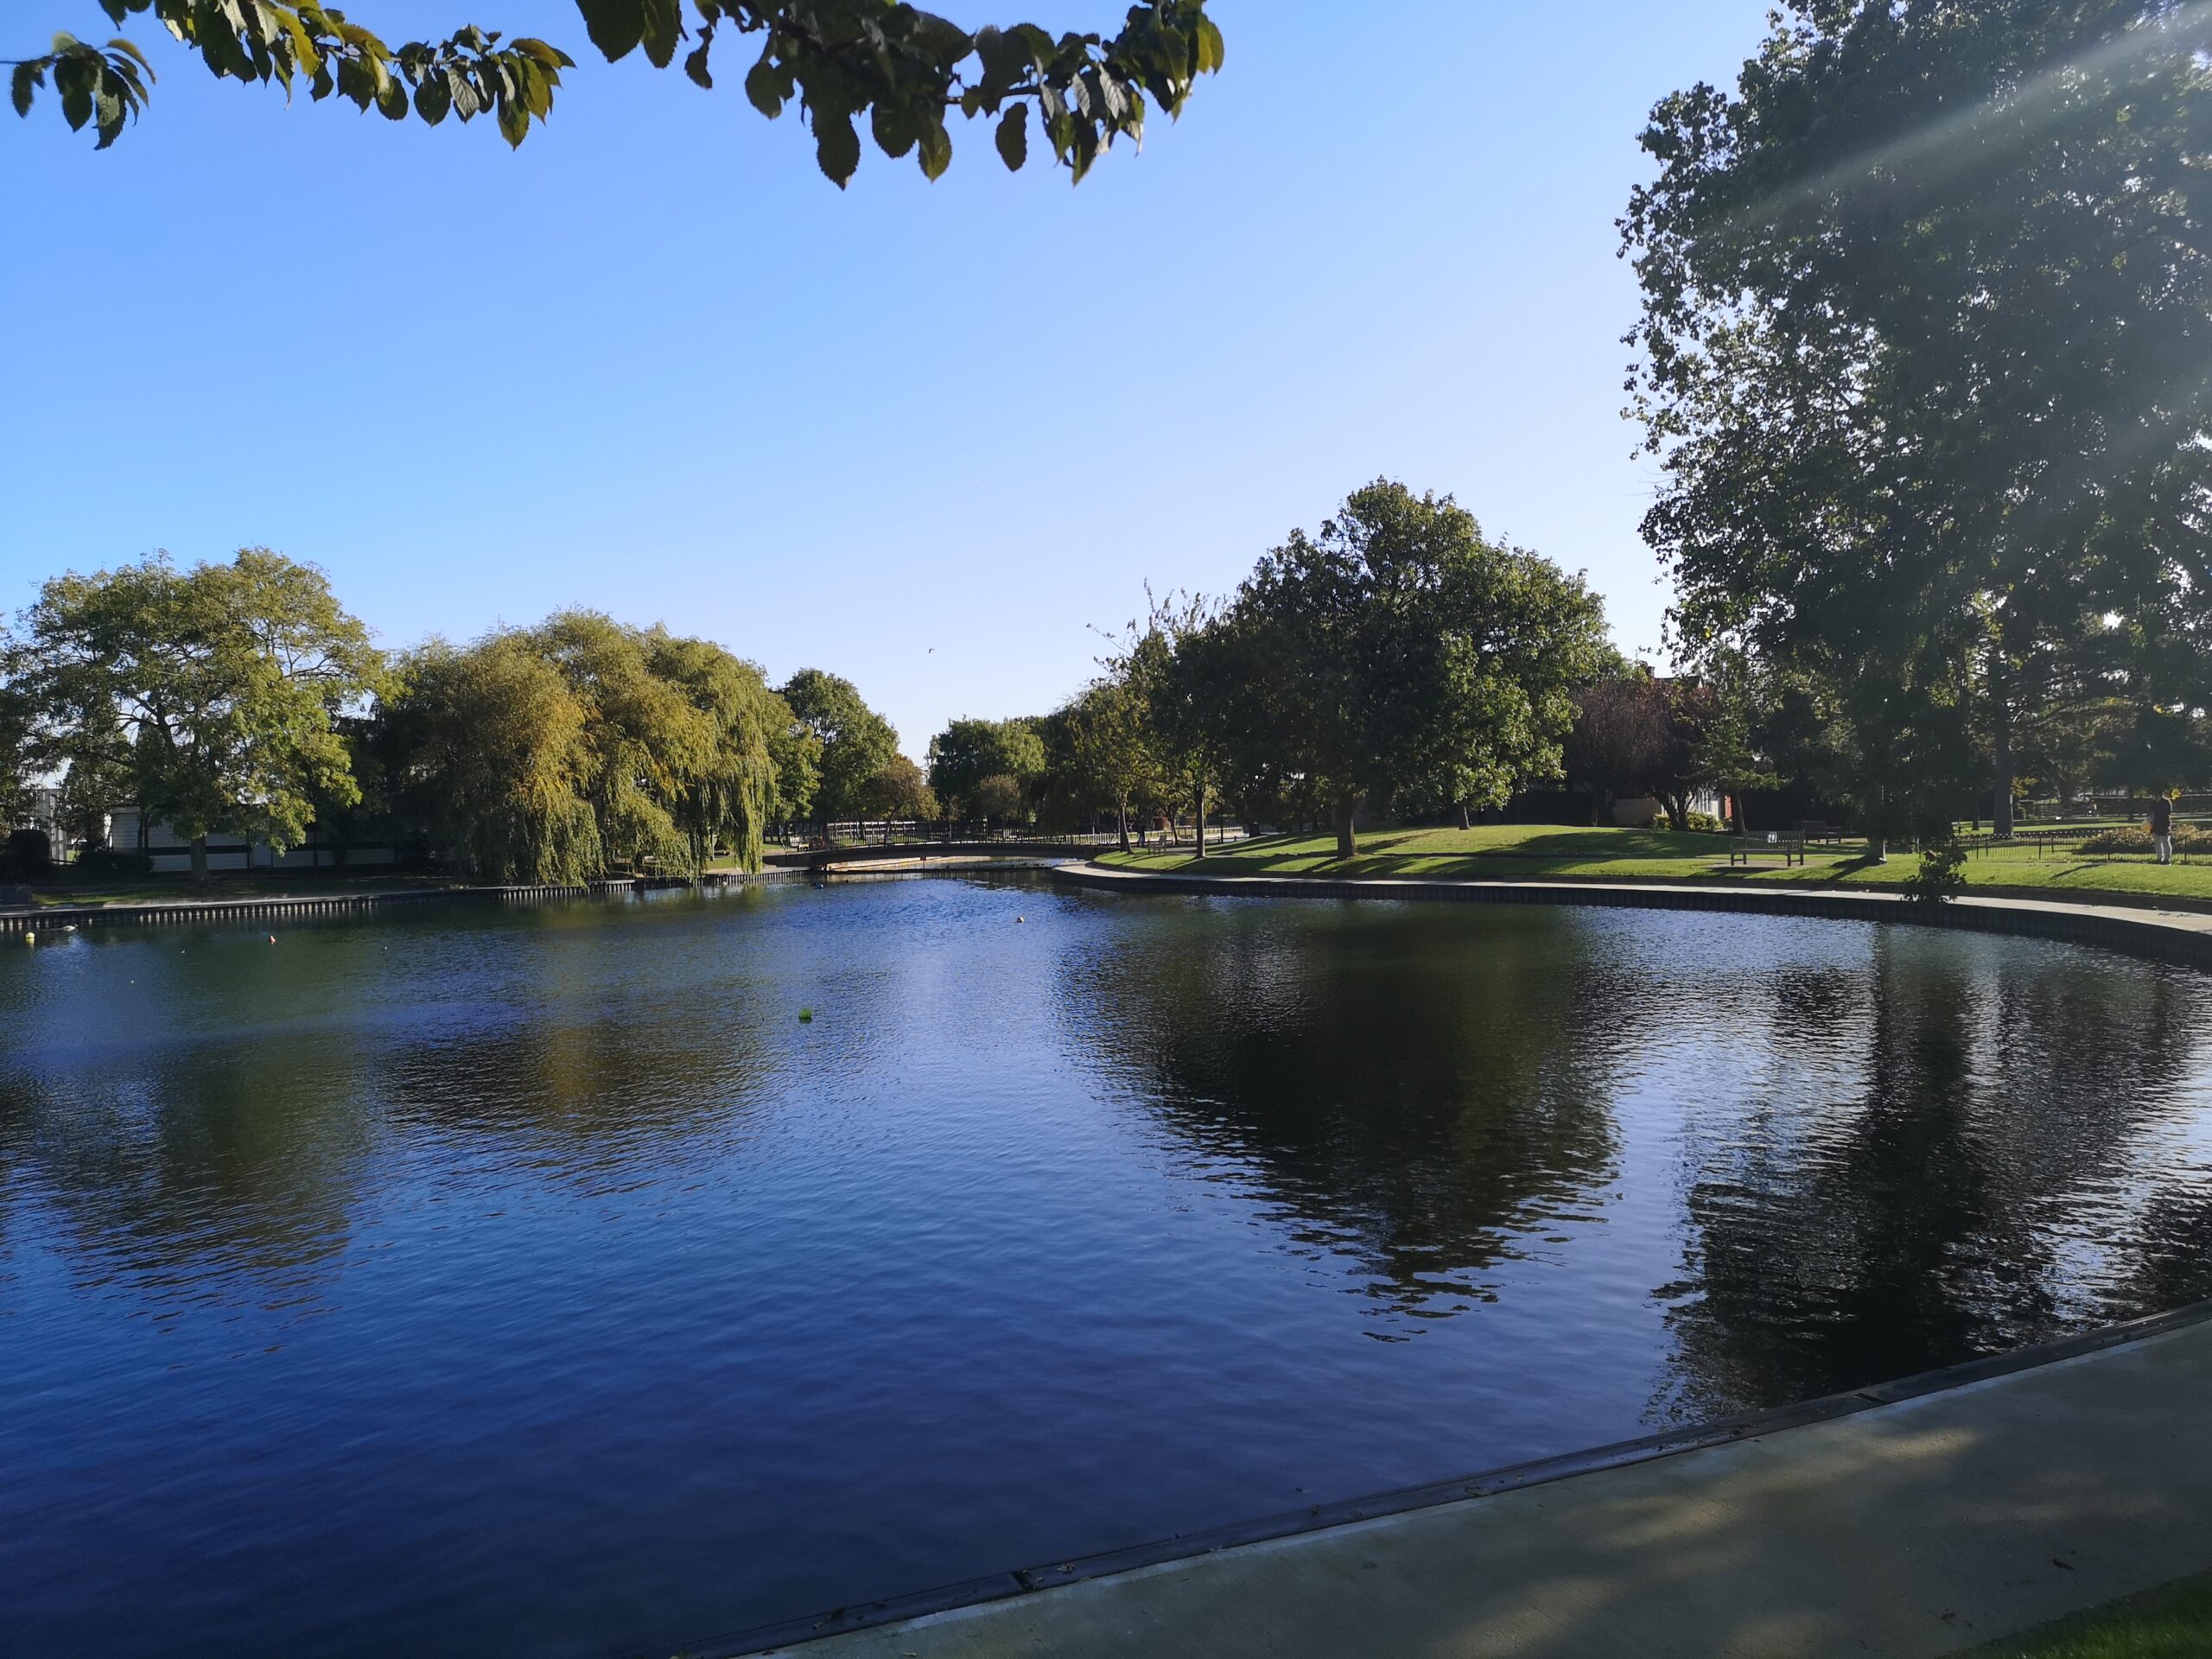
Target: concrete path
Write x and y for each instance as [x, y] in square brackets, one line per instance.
[1910, 1529]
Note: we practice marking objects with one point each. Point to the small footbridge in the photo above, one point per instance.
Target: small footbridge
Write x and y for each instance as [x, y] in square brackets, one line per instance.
[923, 854]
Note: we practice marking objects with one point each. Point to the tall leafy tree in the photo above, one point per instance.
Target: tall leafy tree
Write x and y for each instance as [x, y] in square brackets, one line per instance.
[905, 70]
[899, 789]
[1620, 734]
[218, 690]
[1111, 752]
[968, 751]
[1925, 305]
[18, 754]
[1180, 663]
[1397, 658]
[856, 742]
[796, 751]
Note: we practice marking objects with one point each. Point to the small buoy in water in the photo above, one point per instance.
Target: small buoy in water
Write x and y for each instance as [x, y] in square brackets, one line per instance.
[1021, 918]
[272, 938]
[29, 937]
[806, 1016]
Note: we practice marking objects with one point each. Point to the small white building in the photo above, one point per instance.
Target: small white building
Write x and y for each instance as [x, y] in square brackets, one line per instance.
[45, 814]
[130, 831]
[1642, 812]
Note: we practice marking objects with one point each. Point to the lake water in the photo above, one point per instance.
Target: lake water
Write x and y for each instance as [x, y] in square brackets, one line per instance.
[543, 1282]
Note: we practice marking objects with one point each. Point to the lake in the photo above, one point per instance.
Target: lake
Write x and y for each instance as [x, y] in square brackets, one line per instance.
[602, 1277]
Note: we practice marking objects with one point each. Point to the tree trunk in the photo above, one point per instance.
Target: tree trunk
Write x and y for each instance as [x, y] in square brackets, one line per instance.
[199, 859]
[1462, 816]
[1122, 817]
[1347, 838]
[1200, 826]
[2000, 747]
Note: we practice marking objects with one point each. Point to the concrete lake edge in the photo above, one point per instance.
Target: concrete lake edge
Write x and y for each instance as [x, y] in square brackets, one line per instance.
[796, 1633]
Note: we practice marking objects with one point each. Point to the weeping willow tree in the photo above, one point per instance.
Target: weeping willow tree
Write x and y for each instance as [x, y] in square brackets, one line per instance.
[640, 735]
[492, 750]
[546, 754]
[723, 786]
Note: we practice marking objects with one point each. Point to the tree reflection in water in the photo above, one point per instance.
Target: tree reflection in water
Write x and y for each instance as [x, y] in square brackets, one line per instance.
[1884, 1149]
[230, 1162]
[2010, 1149]
[1427, 1109]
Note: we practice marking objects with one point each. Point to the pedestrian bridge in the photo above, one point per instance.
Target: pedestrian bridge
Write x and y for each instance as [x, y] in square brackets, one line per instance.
[919, 852]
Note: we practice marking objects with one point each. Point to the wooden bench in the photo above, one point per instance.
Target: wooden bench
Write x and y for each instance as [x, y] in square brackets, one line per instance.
[1790, 848]
[1811, 830]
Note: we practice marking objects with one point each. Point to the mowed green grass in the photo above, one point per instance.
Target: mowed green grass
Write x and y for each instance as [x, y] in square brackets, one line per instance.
[2174, 1622]
[1505, 852]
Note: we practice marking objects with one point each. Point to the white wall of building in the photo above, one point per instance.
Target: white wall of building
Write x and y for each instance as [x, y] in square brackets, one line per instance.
[171, 853]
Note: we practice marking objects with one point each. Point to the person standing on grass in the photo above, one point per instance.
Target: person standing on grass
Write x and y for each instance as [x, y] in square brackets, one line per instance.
[2162, 828]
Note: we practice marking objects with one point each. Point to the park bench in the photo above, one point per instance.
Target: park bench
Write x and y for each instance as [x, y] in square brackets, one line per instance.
[1789, 847]
[1813, 832]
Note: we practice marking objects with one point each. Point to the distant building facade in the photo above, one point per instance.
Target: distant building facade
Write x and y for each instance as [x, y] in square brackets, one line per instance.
[131, 832]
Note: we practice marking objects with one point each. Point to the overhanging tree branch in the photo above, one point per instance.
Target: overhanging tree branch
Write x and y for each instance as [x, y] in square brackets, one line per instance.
[902, 67]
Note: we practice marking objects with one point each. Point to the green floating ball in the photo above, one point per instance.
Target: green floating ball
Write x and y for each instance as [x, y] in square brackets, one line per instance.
[806, 1016]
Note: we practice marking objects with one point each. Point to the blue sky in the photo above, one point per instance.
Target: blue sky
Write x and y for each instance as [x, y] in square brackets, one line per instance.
[924, 435]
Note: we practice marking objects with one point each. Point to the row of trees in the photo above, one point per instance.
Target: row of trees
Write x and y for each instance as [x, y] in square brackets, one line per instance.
[1756, 729]
[1394, 662]
[241, 698]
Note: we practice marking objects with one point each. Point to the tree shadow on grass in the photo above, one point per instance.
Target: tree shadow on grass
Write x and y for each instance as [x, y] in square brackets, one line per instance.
[1443, 849]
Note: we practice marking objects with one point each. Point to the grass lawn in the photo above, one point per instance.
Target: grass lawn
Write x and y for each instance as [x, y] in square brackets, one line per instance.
[265, 884]
[1508, 851]
[2174, 1622]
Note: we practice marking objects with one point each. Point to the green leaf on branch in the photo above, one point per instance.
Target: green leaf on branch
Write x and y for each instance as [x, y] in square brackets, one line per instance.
[894, 128]
[1005, 58]
[357, 81]
[1211, 50]
[1013, 137]
[663, 28]
[936, 151]
[765, 87]
[836, 146]
[615, 26]
[433, 99]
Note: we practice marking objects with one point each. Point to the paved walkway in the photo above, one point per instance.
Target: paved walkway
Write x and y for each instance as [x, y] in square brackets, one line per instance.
[1910, 1529]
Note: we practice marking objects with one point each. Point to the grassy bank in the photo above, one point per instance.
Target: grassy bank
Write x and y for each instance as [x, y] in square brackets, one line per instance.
[2172, 1623]
[1531, 851]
